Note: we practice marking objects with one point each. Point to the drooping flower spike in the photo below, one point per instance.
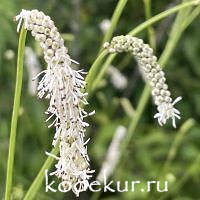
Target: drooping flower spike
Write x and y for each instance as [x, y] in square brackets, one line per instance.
[153, 73]
[62, 85]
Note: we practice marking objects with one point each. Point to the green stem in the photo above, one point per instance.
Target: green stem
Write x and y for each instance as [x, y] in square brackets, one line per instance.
[175, 33]
[40, 177]
[150, 30]
[15, 113]
[135, 119]
[192, 16]
[192, 169]
[94, 69]
[173, 150]
[127, 107]
[115, 18]
[161, 16]
[102, 72]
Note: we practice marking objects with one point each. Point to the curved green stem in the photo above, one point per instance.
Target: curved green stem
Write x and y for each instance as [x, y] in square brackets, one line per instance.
[150, 30]
[172, 151]
[193, 15]
[15, 113]
[40, 177]
[161, 16]
[115, 18]
[194, 167]
[174, 147]
[94, 69]
[102, 72]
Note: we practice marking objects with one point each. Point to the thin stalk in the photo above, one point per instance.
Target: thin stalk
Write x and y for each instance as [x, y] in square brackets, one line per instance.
[15, 113]
[194, 167]
[192, 16]
[40, 177]
[150, 29]
[173, 150]
[137, 115]
[102, 72]
[127, 107]
[115, 18]
[175, 32]
[174, 147]
[162, 15]
[94, 69]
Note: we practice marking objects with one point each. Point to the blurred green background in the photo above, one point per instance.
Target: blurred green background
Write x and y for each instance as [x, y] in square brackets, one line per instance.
[79, 22]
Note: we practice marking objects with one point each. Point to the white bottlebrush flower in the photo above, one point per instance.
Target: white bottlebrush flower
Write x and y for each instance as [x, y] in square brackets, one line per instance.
[63, 86]
[33, 68]
[153, 72]
[113, 154]
[118, 80]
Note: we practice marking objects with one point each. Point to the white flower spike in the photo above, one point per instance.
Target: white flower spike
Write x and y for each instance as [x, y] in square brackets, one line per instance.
[153, 73]
[63, 86]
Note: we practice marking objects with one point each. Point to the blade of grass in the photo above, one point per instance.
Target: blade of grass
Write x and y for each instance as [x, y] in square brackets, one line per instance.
[194, 14]
[172, 151]
[174, 147]
[150, 29]
[102, 72]
[93, 70]
[192, 169]
[15, 113]
[115, 18]
[40, 176]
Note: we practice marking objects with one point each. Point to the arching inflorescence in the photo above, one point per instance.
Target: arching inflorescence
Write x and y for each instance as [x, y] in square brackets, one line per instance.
[153, 73]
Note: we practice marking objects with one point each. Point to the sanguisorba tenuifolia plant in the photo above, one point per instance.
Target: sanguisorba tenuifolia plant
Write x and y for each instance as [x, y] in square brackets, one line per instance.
[63, 86]
[152, 71]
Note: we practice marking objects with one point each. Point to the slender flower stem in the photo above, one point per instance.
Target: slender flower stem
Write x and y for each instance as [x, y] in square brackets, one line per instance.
[16, 105]
[150, 30]
[173, 150]
[194, 167]
[94, 70]
[115, 18]
[102, 72]
[192, 16]
[40, 177]
[161, 16]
